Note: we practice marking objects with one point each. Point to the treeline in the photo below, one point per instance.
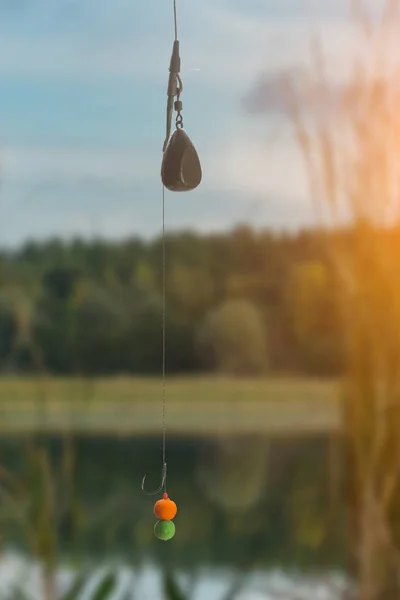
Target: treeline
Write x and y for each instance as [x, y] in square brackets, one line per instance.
[244, 302]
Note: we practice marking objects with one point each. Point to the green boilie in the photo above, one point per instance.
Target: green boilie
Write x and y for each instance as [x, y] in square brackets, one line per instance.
[164, 530]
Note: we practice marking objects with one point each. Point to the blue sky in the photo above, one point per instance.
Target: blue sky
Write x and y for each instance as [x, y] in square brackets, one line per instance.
[82, 111]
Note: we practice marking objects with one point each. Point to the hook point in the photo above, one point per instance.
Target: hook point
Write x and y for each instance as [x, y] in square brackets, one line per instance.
[163, 479]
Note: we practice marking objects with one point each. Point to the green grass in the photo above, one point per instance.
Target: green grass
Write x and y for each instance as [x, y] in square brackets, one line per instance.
[198, 404]
[130, 389]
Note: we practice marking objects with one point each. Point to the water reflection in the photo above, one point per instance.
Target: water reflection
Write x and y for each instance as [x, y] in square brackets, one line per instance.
[233, 472]
[245, 505]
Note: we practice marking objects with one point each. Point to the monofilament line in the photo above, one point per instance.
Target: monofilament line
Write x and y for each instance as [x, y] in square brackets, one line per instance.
[163, 336]
[164, 345]
[175, 22]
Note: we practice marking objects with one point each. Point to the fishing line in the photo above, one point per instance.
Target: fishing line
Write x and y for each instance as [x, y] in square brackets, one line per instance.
[180, 171]
[175, 22]
[164, 345]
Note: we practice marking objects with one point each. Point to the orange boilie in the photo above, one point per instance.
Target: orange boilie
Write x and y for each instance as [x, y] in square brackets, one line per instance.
[165, 509]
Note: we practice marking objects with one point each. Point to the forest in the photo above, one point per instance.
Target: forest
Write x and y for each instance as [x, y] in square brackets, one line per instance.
[244, 302]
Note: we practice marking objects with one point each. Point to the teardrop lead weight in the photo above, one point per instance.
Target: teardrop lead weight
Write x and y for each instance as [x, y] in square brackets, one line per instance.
[181, 169]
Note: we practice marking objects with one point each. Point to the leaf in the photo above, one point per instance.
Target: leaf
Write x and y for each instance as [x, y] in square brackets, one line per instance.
[17, 593]
[105, 587]
[127, 595]
[171, 588]
[76, 587]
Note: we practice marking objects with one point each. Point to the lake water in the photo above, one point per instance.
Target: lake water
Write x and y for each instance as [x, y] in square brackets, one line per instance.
[256, 505]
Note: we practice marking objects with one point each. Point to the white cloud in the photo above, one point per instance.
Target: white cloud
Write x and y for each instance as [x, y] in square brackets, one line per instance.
[69, 181]
[250, 164]
[99, 191]
[65, 57]
[63, 165]
[228, 46]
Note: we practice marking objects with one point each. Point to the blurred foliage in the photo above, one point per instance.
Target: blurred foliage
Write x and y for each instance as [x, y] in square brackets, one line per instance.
[239, 302]
[310, 299]
[171, 588]
[104, 589]
[234, 338]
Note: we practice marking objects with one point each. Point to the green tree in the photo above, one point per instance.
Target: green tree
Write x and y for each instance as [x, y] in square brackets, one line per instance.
[100, 324]
[310, 300]
[234, 336]
[53, 322]
[8, 330]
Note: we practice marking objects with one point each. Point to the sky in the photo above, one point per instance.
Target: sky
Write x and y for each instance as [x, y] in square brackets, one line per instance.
[82, 113]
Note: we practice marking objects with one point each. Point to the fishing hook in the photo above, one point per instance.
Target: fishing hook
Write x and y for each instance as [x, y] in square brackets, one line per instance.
[163, 482]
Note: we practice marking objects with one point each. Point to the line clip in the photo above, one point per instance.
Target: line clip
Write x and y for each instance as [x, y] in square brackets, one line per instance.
[175, 88]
